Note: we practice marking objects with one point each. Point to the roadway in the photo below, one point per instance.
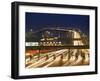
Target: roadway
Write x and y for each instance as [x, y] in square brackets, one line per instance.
[63, 57]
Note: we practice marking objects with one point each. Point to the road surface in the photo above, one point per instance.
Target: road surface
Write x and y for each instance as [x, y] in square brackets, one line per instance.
[63, 57]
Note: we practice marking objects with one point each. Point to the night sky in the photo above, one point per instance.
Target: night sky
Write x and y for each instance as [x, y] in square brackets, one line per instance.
[36, 21]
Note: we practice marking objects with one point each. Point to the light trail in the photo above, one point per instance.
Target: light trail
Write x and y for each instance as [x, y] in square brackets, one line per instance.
[64, 57]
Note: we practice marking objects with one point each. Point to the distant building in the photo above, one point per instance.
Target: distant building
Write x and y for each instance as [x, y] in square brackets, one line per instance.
[56, 37]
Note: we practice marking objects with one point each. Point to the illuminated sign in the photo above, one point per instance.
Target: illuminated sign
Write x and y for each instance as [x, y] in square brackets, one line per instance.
[32, 44]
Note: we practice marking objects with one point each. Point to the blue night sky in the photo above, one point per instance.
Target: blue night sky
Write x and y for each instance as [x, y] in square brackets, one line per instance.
[36, 21]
